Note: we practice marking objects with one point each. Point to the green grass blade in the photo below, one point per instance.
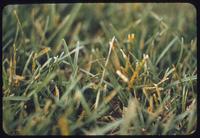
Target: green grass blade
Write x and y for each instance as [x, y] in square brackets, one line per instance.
[186, 79]
[27, 63]
[16, 98]
[108, 127]
[166, 49]
[181, 52]
[43, 84]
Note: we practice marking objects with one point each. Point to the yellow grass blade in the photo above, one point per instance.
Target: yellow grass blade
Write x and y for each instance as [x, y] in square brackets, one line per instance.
[137, 71]
[43, 51]
[63, 126]
[110, 96]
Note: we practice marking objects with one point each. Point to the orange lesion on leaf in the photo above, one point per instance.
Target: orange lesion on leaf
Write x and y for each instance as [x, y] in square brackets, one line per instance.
[150, 109]
[42, 52]
[154, 92]
[131, 37]
[34, 62]
[135, 75]
[121, 71]
[37, 55]
[14, 79]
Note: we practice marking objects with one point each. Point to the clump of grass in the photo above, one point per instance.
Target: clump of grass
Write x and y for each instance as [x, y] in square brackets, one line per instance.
[73, 69]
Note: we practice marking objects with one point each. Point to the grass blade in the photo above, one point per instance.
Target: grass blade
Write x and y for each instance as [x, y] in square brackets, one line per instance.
[16, 98]
[43, 84]
[186, 79]
[166, 49]
[103, 130]
[65, 25]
